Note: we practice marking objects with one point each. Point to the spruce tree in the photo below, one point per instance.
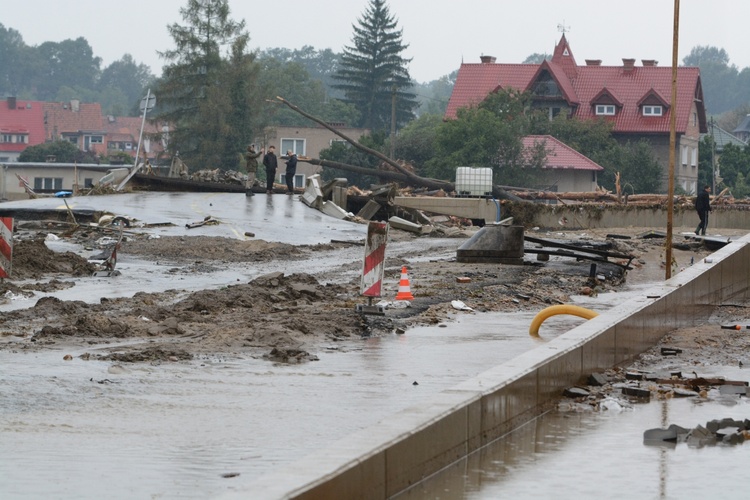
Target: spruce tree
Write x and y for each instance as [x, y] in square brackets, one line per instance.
[372, 70]
[208, 91]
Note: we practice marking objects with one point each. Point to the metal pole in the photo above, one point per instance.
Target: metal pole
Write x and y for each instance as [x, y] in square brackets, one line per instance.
[672, 140]
[143, 123]
[713, 157]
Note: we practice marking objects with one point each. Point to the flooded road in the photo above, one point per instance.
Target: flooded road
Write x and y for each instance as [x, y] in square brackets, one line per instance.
[93, 429]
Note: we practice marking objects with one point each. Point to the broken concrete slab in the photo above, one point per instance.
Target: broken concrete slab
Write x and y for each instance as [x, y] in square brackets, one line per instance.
[330, 208]
[575, 392]
[369, 210]
[598, 379]
[636, 392]
[672, 433]
[405, 225]
[313, 195]
[496, 244]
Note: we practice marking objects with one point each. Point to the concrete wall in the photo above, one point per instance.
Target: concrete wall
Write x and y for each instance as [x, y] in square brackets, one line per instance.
[400, 451]
[590, 216]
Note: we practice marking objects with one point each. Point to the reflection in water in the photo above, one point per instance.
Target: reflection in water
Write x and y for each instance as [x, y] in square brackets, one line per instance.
[598, 455]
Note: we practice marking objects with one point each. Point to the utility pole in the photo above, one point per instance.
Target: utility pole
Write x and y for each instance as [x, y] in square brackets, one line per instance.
[672, 140]
[713, 157]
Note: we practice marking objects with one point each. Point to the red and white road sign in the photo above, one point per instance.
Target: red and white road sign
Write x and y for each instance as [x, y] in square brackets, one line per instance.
[6, 246]
[372, 273]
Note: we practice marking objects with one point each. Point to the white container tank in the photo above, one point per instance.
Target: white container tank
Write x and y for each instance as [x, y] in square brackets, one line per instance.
[471, 181]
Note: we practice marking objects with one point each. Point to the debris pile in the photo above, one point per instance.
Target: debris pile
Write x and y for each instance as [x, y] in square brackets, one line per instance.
[725, 431]
[218, 175]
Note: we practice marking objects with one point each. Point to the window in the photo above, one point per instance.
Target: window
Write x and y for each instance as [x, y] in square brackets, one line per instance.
[299, 180]
[605, 109]
[684, 155]
[695, 119]
[296, 145]
[48, 183]
[7, 138]
[96, 139]
[651, 110]
[694, 158]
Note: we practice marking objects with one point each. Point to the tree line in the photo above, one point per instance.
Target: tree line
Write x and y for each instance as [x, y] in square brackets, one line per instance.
[219, 95]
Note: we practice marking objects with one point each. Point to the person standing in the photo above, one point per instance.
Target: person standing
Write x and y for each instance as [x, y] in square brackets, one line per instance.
[703, 206]
[291, 170]
[251, 166]
[271, 163]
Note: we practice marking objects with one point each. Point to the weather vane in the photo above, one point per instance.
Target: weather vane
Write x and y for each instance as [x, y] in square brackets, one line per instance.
[562, 28]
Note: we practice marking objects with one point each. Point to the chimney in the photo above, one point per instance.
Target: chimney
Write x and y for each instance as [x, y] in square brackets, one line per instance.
[487, 59]
[593, 62]
[649, 62]
[628, 64]
[75, 105]
[11, 103]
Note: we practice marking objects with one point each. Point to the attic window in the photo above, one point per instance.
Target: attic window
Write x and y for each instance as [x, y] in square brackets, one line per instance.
[605, 109]
[652, 110]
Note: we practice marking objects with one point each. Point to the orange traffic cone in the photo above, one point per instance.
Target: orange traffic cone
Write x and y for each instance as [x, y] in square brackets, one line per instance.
[404, 290]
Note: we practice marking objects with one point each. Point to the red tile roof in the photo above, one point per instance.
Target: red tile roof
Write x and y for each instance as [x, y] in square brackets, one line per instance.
[65, 117]
[559, 155]
[27, 118]
[584, 84]
[128, 129]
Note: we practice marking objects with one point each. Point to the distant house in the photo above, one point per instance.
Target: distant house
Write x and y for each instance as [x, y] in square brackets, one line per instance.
[76, 122]
[636, 99]
[123, 132]
[722, 138]
[743, 130]
[21, 126]
[305, 142]
[565, 169]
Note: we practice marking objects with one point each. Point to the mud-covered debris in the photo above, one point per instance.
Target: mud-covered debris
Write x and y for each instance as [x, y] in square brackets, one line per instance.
[290, 355]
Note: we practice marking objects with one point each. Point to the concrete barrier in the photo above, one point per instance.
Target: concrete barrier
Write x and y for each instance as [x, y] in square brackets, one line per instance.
[578, 216]
[397, 453]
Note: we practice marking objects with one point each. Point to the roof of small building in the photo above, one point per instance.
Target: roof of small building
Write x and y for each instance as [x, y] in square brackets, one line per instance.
[744, 125]
[559, 155]
[722, 138]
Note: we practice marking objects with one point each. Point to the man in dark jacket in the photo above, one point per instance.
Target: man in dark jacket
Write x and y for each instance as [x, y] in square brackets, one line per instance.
[291, 169]
[703, 206]
[271, 163]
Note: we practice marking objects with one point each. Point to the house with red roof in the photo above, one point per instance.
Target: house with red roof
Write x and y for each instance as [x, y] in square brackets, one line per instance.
[636, 99]
[564, 168]
[123, 132]
[21, 126]
[77, 122]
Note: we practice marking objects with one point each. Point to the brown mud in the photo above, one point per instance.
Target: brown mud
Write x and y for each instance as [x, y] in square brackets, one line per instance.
[285, 317]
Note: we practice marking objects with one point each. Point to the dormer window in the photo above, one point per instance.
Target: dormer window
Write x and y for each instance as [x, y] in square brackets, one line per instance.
[652, 110]
[605, 109]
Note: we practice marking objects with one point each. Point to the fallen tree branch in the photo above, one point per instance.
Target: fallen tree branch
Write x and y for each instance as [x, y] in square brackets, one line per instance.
[408, 177]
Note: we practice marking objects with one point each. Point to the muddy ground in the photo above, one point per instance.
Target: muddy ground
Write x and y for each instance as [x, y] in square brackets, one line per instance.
[286, 317]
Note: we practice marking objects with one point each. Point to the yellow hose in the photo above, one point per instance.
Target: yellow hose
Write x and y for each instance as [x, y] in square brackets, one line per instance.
[579, 311]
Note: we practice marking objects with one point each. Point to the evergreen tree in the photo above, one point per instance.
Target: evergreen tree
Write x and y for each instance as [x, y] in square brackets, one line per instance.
[372, 71]
[202, 91]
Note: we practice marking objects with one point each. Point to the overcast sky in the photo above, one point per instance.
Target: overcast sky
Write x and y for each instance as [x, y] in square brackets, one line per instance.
[440, 33]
